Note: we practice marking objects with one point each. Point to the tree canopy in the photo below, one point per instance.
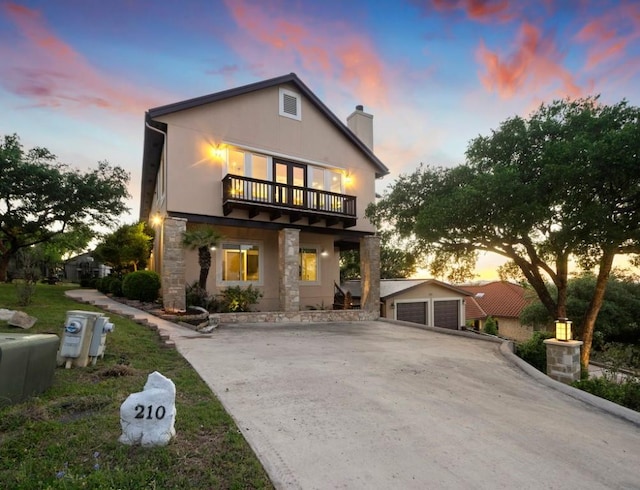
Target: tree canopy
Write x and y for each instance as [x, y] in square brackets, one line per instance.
[562, 184]
[618, 316]
[41, 198]
[395, 261]
[127, 248]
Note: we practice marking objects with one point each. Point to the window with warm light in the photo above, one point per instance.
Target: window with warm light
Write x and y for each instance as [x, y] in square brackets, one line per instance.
[335, 181]
[309, 264]
[240, 263]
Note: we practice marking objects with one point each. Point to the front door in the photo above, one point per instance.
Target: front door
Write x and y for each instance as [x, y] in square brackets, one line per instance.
[293, 176]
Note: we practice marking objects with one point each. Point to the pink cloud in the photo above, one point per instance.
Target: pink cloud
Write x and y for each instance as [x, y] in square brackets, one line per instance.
[479, 10]
[329, 49]
[608, 36]
[42, 68]
[535, 63]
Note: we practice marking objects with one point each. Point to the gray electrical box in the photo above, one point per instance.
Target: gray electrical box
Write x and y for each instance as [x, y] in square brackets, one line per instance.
[27, 365]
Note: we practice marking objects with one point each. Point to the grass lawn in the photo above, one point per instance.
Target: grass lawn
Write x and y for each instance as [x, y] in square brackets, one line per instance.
[68, 436]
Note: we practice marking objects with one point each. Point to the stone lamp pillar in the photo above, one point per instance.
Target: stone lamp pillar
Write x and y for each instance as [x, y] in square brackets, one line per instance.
[563, 354]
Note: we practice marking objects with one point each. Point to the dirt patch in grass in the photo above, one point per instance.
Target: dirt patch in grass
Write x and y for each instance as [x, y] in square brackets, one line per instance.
[117, 371]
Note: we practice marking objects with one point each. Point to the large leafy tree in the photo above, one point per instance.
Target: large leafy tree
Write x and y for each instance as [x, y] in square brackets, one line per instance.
[41, 198]
[618, 316]
[396, 261]
[127, 248]
[562, 184]
[50, 254]
[202, 238]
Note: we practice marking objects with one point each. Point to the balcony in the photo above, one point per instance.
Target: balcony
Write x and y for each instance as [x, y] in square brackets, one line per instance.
[263, 196]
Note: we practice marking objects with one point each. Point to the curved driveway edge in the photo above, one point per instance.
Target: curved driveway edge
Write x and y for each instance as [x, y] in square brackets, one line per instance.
[619, 411]
[507, 348]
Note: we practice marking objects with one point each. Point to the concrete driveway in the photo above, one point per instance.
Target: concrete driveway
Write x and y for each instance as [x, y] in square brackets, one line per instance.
[382, 406]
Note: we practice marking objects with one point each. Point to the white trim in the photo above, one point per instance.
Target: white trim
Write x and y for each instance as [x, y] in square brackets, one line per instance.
[282, 93]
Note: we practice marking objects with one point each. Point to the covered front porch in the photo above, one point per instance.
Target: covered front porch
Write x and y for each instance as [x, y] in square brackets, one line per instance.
[279, 274]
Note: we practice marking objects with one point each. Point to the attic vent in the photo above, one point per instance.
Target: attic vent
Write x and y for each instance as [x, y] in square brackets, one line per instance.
[290, 104]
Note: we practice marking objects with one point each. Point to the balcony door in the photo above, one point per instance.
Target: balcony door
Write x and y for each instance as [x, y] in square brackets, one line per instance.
[289, 175]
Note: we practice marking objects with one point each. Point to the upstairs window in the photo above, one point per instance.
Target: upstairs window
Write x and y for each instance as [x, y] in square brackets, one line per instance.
[290, 104]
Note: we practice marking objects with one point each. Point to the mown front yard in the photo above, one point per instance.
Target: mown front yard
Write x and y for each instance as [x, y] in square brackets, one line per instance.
[68, 437]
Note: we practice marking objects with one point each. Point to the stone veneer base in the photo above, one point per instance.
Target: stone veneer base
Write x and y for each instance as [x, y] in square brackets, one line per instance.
[308, 316]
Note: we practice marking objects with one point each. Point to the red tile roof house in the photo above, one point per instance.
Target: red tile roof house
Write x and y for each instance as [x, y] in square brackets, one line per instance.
[502, 300]
[283, 180]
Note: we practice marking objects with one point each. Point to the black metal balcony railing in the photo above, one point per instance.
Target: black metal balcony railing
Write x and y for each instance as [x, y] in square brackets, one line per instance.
[282, 199]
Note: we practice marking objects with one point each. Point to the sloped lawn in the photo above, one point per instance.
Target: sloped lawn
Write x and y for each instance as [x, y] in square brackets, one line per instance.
[67, 437]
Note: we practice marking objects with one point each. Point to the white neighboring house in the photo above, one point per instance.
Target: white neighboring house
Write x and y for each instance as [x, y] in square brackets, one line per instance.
[84, 265]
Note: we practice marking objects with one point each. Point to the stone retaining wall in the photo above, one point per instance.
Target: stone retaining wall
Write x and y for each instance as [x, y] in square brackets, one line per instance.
[310, 316]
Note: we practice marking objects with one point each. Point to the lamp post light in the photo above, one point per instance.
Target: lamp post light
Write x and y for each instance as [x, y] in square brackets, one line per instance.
[563, 329]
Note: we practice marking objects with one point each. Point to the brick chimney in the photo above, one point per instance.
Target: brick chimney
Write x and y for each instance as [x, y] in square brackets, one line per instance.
[361, 124]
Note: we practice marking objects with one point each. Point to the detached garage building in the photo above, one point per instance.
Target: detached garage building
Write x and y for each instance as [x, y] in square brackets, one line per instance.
[423, 301]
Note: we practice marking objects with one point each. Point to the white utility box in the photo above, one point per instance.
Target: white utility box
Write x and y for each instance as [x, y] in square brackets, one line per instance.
[101, 328]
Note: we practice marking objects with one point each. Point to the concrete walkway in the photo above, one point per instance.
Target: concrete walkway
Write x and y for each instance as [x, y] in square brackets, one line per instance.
[381, 405]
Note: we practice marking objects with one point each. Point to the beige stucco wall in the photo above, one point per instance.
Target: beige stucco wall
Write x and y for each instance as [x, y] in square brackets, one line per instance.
[315, 295]
[423, 292]
[252, 121]
[511, 328]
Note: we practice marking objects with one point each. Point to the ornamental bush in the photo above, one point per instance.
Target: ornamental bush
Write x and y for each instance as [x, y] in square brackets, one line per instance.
[141, 285]
[237, 299]
[534, 351]
[491, 326]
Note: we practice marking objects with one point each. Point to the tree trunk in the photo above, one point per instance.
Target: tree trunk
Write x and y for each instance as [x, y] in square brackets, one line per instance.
[4, 266]
[562, 281]
[204, 273]
[606, 263]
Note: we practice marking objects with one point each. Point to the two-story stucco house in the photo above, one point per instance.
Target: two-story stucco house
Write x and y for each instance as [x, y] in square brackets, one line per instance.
[278, 175]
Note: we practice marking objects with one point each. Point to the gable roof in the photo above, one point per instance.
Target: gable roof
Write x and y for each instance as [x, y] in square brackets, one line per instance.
[497, 299]
[393, 287]
[154, 139]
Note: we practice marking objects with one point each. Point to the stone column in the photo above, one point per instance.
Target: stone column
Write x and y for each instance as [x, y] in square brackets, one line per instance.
[370, 274]
[563, 360]
[173, 265]
[289, 264]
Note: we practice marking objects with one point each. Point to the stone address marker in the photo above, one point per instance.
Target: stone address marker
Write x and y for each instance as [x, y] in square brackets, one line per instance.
[147, 417]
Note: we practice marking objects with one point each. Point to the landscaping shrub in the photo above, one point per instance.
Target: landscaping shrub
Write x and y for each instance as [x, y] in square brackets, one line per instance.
[196, 296]
[236, 299]
[534, 351]
[141, 285]
[491, 326]
[115, 286]
[625, 393]
[104, 284]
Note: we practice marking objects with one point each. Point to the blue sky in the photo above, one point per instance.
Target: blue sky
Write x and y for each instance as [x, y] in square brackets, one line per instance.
[76, 76]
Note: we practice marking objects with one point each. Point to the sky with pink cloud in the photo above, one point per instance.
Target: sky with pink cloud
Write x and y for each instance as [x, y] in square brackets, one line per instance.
[77, 76]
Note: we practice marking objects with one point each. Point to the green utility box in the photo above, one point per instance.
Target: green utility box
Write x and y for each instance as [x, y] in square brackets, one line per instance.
[27, 365]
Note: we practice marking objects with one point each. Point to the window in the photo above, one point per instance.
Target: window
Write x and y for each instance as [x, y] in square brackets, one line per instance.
[290, 104]
[309, 264]
[240, 262]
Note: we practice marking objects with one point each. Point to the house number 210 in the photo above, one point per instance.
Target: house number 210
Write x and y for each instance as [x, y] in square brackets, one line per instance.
[159, 413]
